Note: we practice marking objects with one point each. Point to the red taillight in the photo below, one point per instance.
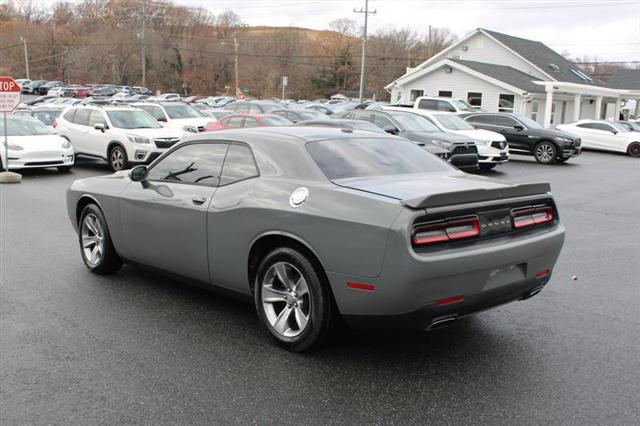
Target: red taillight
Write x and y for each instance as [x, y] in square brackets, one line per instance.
[531, 216]
[450, 300]
[543, 274]
[438, 232]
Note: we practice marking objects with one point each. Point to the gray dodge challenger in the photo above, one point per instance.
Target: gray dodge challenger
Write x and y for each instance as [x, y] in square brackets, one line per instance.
[313, 224]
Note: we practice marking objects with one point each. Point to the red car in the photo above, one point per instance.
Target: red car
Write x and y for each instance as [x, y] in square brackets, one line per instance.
[80, 91]
[247, 120]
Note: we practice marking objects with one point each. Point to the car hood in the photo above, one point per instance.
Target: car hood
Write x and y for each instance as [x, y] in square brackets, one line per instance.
[480, 135]
[37, 143]
[164, 132]
[430, 136]
[554, 133]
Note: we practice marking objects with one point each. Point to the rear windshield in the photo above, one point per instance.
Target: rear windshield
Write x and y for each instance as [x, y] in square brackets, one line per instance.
[354, 158]
[182, 111]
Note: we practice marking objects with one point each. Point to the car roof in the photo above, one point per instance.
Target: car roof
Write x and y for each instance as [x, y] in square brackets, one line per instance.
[293, 134]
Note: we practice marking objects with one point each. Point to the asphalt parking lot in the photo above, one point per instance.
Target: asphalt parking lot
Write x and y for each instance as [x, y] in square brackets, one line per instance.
[136, 347]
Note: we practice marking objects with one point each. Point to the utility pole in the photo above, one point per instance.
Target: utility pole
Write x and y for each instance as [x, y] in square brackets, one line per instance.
[235, 47]
[429, 45]
[144, 59]
[26, 56]
[363, 63]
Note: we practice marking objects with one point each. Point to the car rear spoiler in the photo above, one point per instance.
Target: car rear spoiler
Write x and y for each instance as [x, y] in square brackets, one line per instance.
[477, 195]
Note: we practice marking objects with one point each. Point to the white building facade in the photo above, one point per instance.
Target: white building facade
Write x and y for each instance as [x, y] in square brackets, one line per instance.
[499, 73]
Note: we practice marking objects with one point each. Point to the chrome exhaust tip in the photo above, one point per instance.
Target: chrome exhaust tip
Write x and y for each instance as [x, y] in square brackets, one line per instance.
[441, 322]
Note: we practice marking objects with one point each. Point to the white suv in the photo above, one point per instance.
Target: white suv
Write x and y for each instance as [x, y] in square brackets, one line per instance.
[177, 115]
[118, 134]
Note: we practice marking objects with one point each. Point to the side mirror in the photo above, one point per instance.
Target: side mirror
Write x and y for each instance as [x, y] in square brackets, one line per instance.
[100, 126]
[162, 119]
[390, 129]
[138, 174]
[518, 127]
[614, 131]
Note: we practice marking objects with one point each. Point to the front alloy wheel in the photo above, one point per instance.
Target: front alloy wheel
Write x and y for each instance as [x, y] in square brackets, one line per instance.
[545, 153]
[117, 159]
[96, 247]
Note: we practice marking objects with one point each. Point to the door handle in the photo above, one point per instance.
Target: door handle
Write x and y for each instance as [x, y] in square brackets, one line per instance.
[199, 201]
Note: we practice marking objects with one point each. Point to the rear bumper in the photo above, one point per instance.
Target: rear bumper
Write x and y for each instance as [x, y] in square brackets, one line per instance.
[433, 315]
[489, 273]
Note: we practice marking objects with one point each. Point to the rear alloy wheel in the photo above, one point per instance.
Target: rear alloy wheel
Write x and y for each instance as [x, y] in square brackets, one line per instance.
[292, 300]
[634, 149]
[95, 242]
[117, 158]
[545, 152]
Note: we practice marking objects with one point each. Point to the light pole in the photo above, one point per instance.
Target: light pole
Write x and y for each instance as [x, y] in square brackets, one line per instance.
[26, 56]
[363, 62]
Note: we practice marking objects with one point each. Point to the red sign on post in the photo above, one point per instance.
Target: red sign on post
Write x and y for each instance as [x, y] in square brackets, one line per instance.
[9, 94]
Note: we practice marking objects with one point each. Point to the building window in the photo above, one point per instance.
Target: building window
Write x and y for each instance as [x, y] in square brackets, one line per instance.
[506, 103]
[553, 113]
[445, 94]
[399, 98]
[475, 99]
[415, 94]
[535, 107]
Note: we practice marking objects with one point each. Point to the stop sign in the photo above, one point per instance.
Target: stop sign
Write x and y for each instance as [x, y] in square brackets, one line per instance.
[9, 94]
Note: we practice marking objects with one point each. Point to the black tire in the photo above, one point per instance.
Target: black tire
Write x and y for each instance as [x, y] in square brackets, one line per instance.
[109, 262]
[64, 169]
[562, 159]
[545, 152]
[118, 158]
[320, 302]
[634, 149]
[486, 166]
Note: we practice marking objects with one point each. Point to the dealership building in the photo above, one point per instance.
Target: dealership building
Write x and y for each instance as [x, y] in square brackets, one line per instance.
[501, 73]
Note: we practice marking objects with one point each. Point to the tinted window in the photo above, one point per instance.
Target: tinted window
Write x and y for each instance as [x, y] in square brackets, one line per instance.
[481, 119]
[195, 163]
[238, 165]
[427, 104]
[596, 126]
[178, 111]
[69, 115]
[349, 158]
[382, 121]
[156, 112]
[96, 117]
[444, 106]
[503, 120]
[82, 117]
[251, 122]
[132, 119]
[234, 122]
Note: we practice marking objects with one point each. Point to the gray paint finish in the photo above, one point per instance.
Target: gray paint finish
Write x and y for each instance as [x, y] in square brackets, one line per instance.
[358, 228]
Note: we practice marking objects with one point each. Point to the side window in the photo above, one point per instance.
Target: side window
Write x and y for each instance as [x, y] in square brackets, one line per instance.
[251, 122]
[445, 106]
[292, 116]
[234, 122]
[195, 163]
[96, 117]
[596, 126]
[254, 109]
[382, 121]
[504, 121]
[481, 119]
[239, 165]
[69, 115]
[427, 104]
[82, 117]
[156, 112]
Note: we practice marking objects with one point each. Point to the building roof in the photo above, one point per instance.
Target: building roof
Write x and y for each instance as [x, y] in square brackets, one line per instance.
[625, 79]
[505, 74]
[545, 58]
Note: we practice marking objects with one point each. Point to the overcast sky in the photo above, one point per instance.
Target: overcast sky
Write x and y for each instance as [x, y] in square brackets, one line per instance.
[608, 29]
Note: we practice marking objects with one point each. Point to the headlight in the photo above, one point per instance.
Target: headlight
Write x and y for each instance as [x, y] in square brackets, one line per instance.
[441, 144]
[66, 145]
[138, 139]
[12, 146]
[192, 129]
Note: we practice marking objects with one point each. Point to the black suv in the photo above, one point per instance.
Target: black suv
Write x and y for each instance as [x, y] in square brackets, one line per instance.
[527, 137]
[458, 150]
